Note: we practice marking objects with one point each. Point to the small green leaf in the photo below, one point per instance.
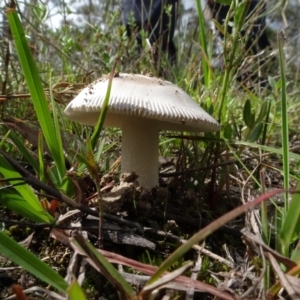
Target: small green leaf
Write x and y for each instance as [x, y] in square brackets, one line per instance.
[247, 114]
[262, 112]
[227, 132]
[291, 223]
[272, 82]
[75, 291]
[255, 133]
[238, 12]
[278, 85]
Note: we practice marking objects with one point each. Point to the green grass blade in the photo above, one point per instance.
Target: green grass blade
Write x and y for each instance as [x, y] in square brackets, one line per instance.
[75, 292]
[202, 36]
[296, 252]
[284, 121]
[291, 224]
[25, 201]
[22, 257]
[11, 199]
[41, 157]
[104, 108]
[268, 149]
[58, 141]
[34, 84]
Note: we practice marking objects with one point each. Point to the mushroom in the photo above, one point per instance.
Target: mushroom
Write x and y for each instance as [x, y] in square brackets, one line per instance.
[140, 106]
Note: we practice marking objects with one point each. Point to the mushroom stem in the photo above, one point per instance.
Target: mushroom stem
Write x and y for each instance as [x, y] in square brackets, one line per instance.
[140, 150]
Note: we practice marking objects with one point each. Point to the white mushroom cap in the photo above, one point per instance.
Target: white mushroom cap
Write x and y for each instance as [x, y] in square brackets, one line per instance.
[141, 106]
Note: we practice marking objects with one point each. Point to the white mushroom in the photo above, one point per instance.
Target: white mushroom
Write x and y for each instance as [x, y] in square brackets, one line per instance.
[140, 106]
